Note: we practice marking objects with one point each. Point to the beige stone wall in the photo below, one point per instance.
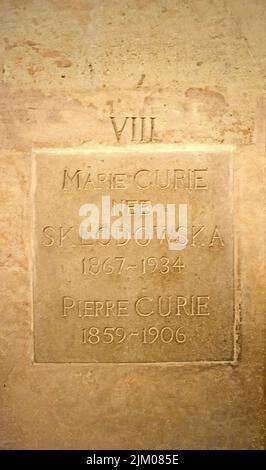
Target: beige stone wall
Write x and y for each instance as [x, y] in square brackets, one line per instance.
[66, 66]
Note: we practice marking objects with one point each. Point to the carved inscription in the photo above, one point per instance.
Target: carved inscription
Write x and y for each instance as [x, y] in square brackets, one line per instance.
[133, 255]
[137, 127]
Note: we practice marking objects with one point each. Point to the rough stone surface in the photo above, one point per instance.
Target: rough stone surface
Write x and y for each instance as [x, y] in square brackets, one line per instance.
[65, 68]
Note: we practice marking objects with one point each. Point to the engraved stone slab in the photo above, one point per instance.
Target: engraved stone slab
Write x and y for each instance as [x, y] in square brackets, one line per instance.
[135, 300]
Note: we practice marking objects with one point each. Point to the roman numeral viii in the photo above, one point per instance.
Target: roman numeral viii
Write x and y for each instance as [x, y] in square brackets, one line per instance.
[141, 128]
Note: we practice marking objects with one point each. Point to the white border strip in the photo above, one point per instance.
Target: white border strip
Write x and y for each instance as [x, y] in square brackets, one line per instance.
[140, 148]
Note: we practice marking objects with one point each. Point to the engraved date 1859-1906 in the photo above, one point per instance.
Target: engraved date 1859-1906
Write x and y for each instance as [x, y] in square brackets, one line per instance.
[119, 335]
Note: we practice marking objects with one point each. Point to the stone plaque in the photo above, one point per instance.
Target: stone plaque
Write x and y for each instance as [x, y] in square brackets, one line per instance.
[134, 255]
